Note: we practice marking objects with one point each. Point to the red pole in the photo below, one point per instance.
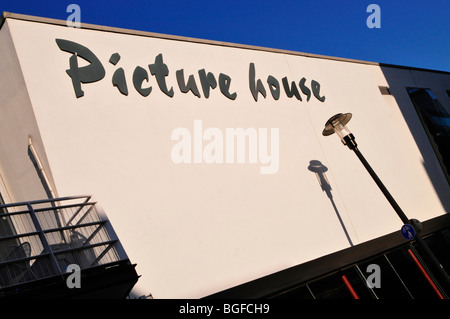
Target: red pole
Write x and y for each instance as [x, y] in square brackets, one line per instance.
[424, 272]
[349, 287]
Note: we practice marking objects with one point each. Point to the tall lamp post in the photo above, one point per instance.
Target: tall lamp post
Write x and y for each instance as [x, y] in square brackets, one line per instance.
[338, 124]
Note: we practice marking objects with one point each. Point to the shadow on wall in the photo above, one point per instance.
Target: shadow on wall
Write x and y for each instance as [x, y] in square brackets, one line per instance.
[320, 170]
[419, 105]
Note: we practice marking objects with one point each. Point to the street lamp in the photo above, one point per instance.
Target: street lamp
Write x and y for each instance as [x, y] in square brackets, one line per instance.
[338, 124]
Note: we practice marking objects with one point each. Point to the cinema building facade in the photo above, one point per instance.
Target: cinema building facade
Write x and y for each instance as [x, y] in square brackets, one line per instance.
[171, 167]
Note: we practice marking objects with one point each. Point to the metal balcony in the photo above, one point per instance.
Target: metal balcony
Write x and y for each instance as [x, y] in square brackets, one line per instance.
[40, 239]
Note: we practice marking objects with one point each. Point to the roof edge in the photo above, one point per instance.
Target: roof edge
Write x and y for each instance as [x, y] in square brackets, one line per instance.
[17, 16]
[5, 15]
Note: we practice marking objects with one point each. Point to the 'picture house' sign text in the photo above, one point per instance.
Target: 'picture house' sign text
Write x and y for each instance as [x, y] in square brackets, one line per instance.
[94, 71]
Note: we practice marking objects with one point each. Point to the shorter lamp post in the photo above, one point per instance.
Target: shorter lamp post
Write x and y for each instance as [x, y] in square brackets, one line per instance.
[338, 124]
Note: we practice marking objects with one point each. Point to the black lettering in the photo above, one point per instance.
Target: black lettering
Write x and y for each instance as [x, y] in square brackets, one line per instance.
[94, 71]
[305, 89]
[224, 84]
[118, 78]
[160, 71]
[255, 88]
[190, 86]
[86, 74]
[274, 87]
[119, 81]
[115, 57]
[292, 91]
[208, 81]
[316, 90]
[139, 75]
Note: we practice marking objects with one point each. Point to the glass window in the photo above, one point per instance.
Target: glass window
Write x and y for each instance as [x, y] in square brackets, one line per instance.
[302, 292]
[330, 287]
[400, 275]
[341, 285]
[436, 121]
[410, 274]
[391, 285]
[439, 243]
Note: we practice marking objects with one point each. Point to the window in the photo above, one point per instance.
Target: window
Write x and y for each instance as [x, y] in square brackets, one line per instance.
[302, 292]
[400, 278]
[436, 121]
[410, 274]
[386, 268]
[391, 284]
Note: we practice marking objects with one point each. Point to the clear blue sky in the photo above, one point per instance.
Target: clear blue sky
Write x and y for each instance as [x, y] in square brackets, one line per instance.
[413, 33]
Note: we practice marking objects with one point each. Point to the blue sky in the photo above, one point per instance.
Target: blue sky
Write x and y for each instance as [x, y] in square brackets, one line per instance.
[412, 33]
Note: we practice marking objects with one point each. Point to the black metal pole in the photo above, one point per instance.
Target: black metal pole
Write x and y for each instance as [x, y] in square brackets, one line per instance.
[380, 184]
[442, 276]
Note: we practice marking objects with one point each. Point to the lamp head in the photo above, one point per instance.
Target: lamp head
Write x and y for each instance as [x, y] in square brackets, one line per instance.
[338, 124]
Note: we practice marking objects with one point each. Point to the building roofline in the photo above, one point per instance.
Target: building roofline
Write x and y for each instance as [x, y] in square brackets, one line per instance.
[9, 15]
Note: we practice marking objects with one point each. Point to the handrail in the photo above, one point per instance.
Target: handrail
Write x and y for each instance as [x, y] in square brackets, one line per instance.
[82, 217]
[42, 201]
[78, 211]
[13, 261]
[43, 240]
[86, 231]
[72, 249]
[51, 230]
[48, 208]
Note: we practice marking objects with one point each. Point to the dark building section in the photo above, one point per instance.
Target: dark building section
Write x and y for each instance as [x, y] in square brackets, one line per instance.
[111, 281]
[436, 122]
[61, 248]
[388, 267]
[423, 99]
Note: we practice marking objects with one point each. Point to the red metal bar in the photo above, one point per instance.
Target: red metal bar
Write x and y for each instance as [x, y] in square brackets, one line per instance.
[424, 272]
[349, 287]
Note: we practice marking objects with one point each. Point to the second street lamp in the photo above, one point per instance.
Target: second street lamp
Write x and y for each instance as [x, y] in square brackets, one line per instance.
[338, 124]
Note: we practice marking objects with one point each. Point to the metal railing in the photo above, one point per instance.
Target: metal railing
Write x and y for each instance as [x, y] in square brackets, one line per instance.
[40, 239]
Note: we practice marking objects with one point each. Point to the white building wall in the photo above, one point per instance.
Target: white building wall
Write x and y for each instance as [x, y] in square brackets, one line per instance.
[20, 181]
[195, 229]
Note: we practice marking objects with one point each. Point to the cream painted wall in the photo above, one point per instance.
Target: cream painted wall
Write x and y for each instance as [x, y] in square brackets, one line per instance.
[195, 229]
[17, 124]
